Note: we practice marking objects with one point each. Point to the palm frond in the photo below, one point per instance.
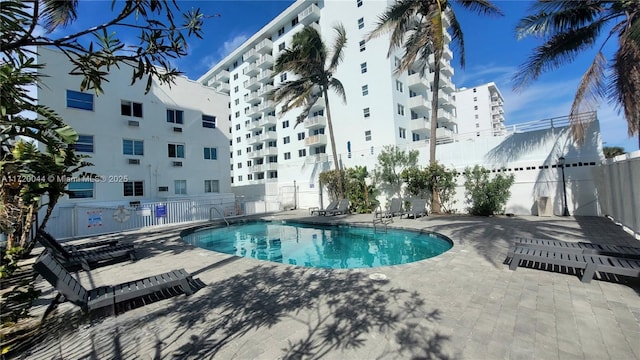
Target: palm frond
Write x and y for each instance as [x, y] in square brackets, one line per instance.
[482, 7]
[337, 49]
[337, 86]
[55, 13]
[396, 16]
[558, 50]
[457, 37]
[624, 89]
[554, 17]
[591, 89]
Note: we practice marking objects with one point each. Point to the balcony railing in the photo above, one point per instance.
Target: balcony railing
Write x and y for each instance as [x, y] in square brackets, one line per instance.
[252, 81]
[320, 139]
[264, 46]
[418, 102]
[315, 122]
[267, 121]
[222, 76]
[265, 76]
[309, 15]
[223, 88]
[251, 70]
[250, 55]
[252, 97]
[265, 61]
[316, 158]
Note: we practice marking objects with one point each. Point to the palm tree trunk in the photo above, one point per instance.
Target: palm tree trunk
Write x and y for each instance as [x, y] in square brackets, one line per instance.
[333, 145]
[435, 201]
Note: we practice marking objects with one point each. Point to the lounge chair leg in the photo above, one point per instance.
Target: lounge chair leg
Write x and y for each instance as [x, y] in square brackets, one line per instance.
[588, 273]
[186, 287]
[515, 261]
[56, 300]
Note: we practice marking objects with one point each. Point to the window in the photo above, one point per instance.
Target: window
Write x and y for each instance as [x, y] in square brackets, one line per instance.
[475, 98]
[238, 139]
[130, 108]
[78, 100]
[237, 127]
[365, 90]
[403, 133]
[239, 177]
[176, 151]
[281, 31]
[301, 136]
[236, 102]
[250, 177]
[180, 187]
[210, 153]
[359, 3]
[477, 125]
[397, 62]
[235, 76]
[360, 23]
[287, 156]
[239, 152]
[362, 46]
[283, 77]
[366, 112]
[133, 188]
[247, 136]
[239, 166]
[236, 89]
[475, 90]
[294, 22]
[209, 121]
[249, 163]
[175, 116]
[399, 86]
[237, 114]
[477, 116]
[83, 144]
[80, 190]
[475, 107]
[286, 140]
[132, 147]
[400, 109]
[302, 152]
[248, 149]
[367, 135]
[211, 186]
[281, 46]
[285, 124]
[272, 159]
[416, 137]
[363, 67]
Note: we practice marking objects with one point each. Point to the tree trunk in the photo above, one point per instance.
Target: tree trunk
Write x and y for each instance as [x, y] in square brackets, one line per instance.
[333, 145]
[435, 200]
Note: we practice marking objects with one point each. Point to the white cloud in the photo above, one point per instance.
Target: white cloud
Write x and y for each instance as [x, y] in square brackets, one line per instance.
[230, 45]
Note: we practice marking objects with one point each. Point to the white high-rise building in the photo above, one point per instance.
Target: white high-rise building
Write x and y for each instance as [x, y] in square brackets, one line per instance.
[170, 143]
[480, 110]
[270, 154]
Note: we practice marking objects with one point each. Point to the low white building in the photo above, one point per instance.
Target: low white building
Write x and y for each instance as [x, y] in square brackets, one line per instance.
[480, 110]
[167, 144]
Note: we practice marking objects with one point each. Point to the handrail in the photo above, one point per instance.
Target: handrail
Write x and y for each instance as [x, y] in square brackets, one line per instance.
[221, 214]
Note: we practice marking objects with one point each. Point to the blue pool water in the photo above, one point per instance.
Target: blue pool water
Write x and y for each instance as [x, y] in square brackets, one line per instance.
[320, 246]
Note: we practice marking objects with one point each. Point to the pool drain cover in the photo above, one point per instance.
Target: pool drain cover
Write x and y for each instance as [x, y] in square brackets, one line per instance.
[378, 277]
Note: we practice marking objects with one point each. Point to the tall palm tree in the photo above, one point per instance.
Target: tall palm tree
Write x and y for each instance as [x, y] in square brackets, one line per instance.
[417, 27]
[570, 27]
[314, 66]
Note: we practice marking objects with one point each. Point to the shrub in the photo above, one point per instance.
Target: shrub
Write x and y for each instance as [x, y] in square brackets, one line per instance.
[421, 183]
[484, 195]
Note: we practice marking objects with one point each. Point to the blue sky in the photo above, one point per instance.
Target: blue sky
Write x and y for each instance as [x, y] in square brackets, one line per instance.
[492, 54]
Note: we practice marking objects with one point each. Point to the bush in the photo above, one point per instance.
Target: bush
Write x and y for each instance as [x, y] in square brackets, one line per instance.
[486, 196]
[422, 182]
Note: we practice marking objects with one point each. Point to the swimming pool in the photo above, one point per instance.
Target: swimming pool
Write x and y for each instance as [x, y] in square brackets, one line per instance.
[320, 246]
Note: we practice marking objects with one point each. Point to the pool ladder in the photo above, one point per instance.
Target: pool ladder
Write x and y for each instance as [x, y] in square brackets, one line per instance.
[382, 221]
[211, 211]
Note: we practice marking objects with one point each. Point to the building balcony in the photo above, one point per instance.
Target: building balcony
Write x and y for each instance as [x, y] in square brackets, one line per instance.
[446, 85]
[315, 26]
[256, 168]
[316, 159]
[265, 76]
[446, 69]
[252, 125]
[252, 97]
[497, 111]
[223, 88]
[269, 151]
[252, 84]
[264, 46]
[421, 125]
[222, 76]
[419, 103]
[447, 54]
[251, 70]
[444, 134]
[320, 139]
[250, 55]
[267, 106]
[213, 82]
[265, 90]
[265, 61]
[445, 116]
[315, 122]
[267, 121]
[416, 83]
[309, 15]
[447, 37]
[252, 111]
[269, 135]
[255, 154]
[254, 140]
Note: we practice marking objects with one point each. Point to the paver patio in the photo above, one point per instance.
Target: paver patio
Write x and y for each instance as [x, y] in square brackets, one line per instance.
[464, 304]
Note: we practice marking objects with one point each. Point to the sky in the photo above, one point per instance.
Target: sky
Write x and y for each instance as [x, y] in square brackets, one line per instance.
[493, 54]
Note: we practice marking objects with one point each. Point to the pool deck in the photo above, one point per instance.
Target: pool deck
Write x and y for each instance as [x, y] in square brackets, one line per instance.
[464, 304]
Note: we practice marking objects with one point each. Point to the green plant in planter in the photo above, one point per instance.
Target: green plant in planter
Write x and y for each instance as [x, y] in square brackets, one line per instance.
[486, 196]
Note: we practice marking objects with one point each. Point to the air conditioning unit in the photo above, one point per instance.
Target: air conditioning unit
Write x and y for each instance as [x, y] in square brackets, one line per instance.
[177, 129]
[134, 161]
[163, 188]
[134, 123]
[177, 163]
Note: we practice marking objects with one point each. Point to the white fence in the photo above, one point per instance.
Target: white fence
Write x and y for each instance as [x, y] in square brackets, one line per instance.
[87, 220]
[618, 190]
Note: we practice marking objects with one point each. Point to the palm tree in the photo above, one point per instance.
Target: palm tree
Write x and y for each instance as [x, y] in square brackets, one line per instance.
[570, 27]
[612, 151]
[417, 27]
[314, 67]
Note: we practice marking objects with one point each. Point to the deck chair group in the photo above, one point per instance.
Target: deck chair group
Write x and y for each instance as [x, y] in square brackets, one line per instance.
[588, 257]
